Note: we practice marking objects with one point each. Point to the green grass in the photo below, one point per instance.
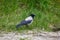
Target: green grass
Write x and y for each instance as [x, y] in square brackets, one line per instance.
[13, 11]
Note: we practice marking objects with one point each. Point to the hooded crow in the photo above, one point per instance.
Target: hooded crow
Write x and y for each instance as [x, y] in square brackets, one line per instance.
[27, 21]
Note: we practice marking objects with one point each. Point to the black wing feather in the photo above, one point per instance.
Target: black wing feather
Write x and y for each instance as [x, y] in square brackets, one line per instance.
[23, 23]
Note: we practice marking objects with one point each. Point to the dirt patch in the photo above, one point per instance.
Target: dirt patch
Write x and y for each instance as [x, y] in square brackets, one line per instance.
[30, 35]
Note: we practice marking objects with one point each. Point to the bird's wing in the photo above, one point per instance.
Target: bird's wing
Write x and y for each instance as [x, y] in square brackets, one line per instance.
[25, 22]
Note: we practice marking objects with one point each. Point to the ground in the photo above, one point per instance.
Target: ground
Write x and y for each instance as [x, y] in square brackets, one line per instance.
[30, 35]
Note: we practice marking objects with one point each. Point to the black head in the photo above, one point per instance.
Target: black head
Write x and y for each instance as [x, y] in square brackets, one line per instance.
[32, 15]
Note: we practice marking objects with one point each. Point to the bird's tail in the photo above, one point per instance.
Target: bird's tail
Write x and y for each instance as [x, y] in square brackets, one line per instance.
[19, 25]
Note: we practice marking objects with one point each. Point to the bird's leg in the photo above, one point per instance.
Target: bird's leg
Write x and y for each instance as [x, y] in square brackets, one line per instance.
[27, 26]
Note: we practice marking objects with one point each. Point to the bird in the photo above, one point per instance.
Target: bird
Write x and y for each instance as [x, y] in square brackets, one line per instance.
[26, 21]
